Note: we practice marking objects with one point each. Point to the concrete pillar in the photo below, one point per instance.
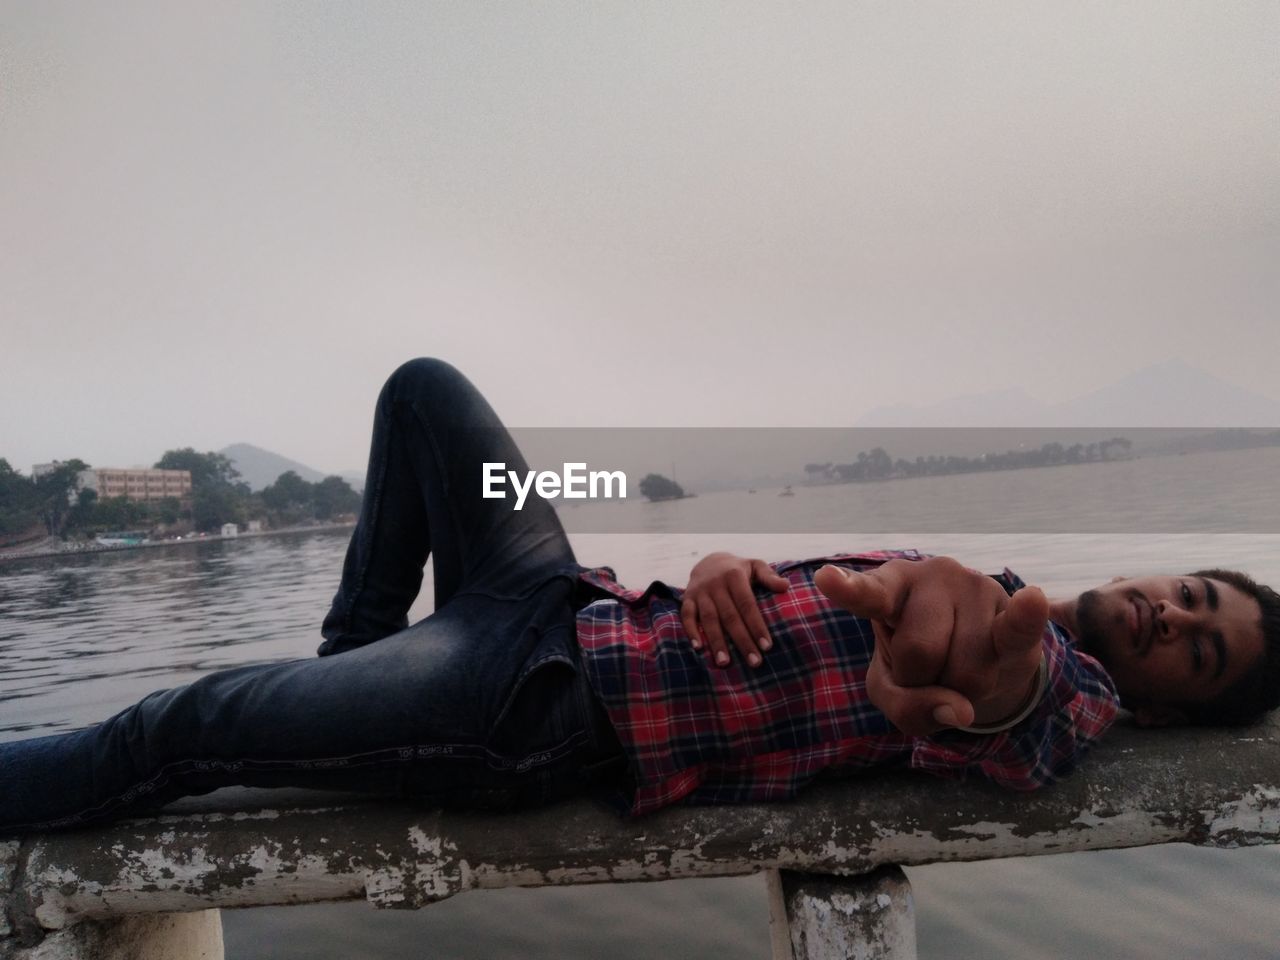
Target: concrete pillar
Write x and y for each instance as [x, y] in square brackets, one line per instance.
[821, 917]
[155, 936]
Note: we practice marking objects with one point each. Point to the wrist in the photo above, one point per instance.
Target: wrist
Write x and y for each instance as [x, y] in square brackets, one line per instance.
[1011, 718]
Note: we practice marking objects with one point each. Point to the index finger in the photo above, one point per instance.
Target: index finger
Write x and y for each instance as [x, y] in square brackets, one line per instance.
[875, 595]
[689, 617]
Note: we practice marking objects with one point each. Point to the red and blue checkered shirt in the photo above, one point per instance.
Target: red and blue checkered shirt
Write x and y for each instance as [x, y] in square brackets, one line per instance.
[703, 734]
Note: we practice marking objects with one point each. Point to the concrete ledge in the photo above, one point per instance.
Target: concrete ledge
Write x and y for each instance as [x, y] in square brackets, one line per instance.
[245, 849]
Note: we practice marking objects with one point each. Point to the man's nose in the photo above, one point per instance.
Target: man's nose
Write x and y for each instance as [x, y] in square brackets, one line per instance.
[1172, 621]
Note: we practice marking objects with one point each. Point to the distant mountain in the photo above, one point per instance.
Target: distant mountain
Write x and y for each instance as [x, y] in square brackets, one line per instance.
[260, 468]
[1001, 408]
[1173, 394]
[1169, 394]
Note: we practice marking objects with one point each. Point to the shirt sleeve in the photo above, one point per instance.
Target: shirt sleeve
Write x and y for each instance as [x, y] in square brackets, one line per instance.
[1078, 705]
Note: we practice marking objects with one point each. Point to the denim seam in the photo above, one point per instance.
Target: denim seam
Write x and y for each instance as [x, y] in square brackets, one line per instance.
[489, 595]
[451, 508]
[366, 548]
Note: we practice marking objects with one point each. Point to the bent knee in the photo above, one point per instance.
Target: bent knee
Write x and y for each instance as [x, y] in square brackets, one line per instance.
[425, 368]
[425, 374]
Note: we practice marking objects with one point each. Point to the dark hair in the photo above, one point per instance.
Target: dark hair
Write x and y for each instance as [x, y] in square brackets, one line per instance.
[1258, 690]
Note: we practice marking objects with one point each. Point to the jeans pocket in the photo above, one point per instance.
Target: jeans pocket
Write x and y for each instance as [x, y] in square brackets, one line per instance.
[538, 713]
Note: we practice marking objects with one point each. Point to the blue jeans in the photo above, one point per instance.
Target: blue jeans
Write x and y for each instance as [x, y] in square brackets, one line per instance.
[480, 705]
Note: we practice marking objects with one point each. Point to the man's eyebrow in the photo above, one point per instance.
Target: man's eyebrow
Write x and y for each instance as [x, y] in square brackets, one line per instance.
[1220, 647]
[1215, 637]
[1210, 593]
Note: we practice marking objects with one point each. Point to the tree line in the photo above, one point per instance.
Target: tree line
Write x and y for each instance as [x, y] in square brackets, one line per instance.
[877, 464]
[53, 504]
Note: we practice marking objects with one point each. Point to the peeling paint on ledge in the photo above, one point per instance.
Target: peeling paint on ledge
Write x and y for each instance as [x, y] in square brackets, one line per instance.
[8, 877]
[1256, 813]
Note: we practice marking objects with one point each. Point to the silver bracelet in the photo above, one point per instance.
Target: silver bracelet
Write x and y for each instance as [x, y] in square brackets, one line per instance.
[1042, 684]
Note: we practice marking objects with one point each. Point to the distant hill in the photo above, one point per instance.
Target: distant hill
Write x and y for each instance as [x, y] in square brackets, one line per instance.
[355, 478]
[1175, 394]
[260, 468]
[1002, 408]
[1170, 394]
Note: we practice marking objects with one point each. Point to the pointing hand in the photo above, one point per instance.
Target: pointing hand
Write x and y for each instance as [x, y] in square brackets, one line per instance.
[952, 648]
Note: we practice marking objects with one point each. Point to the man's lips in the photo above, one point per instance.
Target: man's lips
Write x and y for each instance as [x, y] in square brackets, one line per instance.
[1141, 618]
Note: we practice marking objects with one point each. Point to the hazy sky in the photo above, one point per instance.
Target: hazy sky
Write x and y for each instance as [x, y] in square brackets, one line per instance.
[228, 222]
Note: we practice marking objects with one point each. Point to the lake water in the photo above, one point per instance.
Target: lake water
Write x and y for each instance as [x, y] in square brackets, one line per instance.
[83, 636]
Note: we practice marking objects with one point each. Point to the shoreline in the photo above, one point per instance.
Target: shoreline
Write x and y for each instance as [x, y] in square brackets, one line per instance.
[55, 547]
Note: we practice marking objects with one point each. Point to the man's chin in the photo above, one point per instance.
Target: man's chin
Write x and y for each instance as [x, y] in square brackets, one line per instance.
[1090, 637]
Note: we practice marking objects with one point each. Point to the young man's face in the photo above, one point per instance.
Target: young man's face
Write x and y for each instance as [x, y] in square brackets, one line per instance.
[1170, 640]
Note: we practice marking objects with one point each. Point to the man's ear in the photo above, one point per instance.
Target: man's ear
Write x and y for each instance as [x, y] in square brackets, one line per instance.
[1158, 715]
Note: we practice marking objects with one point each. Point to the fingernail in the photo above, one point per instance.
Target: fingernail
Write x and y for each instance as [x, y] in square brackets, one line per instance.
[753, 659]
[695, 643]
[722, 658]
[946, 716]
[765, 643]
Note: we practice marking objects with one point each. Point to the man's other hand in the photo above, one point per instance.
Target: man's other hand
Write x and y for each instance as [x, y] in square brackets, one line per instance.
[720, 600]
[952, 648]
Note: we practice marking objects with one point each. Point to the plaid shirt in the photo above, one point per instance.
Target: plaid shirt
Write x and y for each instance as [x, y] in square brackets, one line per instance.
[704, 734]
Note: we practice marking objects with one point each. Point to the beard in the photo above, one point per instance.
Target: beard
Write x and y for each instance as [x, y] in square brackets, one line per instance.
[1091, 637]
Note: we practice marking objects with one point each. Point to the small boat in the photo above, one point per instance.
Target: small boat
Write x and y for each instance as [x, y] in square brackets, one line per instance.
[787, 491]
